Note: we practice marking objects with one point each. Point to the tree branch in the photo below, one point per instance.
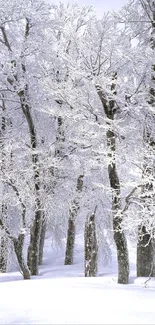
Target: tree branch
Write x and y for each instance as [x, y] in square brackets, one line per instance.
[127, 199]
[5, 41]
[20, 200]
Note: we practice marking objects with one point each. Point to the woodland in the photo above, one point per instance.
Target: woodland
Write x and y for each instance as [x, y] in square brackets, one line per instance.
[77, 134]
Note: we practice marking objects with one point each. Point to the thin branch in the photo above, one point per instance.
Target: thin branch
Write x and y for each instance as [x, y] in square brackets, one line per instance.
[5, 41]
[20, 200]
[6, 230]
[127, 199]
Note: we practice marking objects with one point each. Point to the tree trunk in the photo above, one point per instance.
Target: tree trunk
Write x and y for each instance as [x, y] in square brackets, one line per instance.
[69, 254]
[122, 252]
[33, 249]
[3, 253]
[91, 247]
[145, 244]
[3, 243]
[119, 236]
[110, 109]
[42, 240]
[18, 247]
[37, 223]
[4, 238]
[60, 137]
[145, 254]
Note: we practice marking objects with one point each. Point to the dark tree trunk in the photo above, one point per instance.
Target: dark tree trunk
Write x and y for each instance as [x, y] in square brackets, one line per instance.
[37, 257]
[37, 223]
[42, 240]
[3, 253]
[18, 247]
[119, 236]
[145, 244]
[69, 254]
[145, 254]
[4, 238]
[91, 247]
[122, 252]
[110, 109]
[29, 257]
[18, 244]
[33, 249]
[60, 137]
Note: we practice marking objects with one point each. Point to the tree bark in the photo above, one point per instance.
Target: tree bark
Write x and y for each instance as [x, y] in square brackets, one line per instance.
[3, 253]
[69, 254]
[3, 239]
[91, 247]
[33, 251]
[42, 240]
[145, 254]
[110, 109]
[33, 261]
[119, 236]
[145, 244]
[18, 247]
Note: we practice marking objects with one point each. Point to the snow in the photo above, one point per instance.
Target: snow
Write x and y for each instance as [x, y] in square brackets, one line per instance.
[61, 295]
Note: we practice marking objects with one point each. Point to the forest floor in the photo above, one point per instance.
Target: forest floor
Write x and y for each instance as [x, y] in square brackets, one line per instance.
[62, 295]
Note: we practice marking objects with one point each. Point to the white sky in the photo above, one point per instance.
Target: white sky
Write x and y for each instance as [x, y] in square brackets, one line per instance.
[100, 5]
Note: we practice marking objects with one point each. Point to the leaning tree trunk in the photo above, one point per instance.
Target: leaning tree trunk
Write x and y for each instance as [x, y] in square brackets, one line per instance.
[146, 245]
[18, 247]
[33, 251]
[18, 244]
[119, 236]
[69, 254]
[91, 247]
[110, 109]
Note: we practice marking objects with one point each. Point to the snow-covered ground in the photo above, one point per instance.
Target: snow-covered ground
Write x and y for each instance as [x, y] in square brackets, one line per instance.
[61, 295]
